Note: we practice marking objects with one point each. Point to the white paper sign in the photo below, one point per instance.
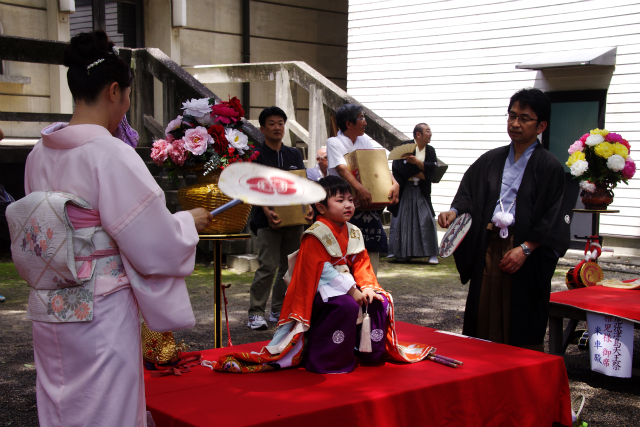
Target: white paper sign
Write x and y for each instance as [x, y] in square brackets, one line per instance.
[610, 345]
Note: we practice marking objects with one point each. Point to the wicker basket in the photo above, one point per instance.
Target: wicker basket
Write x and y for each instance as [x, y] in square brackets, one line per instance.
[205, 193]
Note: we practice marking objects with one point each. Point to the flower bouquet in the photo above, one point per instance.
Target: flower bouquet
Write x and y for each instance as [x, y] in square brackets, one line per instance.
[601, 159]
[205, 139]
[208, 135]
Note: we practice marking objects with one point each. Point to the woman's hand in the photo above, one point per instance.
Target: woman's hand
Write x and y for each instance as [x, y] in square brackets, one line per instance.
[370, 295]
[201, 217]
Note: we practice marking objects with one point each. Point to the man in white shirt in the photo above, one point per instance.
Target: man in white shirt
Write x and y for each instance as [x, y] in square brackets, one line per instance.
[352, 123]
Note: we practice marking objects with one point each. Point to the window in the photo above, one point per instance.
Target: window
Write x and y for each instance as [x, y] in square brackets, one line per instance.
[121, 20]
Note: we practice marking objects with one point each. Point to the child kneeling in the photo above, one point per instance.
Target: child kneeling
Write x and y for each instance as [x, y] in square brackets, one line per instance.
[331, 284]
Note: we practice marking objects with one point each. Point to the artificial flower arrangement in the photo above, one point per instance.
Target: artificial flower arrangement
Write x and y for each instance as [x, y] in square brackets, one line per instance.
[208, 133]
[601, 158]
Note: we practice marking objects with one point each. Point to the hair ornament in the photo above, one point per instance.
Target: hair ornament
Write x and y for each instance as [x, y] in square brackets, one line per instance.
[116, 51]
[93, 64]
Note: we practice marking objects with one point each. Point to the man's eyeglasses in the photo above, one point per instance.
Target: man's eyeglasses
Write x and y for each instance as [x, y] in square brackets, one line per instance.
[361, 118]
[322, 157]
[523, 119]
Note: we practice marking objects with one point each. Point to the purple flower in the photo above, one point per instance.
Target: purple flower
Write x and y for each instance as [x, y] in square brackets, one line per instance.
[34, 238]
[613, 137]
[629, 168]
[37, 250]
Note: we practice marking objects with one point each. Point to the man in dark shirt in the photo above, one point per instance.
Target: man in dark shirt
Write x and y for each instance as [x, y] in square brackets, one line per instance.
[274, 242]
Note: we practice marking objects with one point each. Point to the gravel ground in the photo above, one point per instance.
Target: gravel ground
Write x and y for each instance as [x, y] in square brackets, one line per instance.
[424, 295]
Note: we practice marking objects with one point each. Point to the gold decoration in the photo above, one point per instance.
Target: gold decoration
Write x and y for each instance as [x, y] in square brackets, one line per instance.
[206, 194]
[160, 347]
[591, 274]
[355, 234]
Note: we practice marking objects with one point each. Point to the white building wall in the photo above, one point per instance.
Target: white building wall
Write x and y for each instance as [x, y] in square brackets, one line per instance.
[452, 63]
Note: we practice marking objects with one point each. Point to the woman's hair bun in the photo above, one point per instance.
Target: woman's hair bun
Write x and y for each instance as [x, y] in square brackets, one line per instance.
[86, 48]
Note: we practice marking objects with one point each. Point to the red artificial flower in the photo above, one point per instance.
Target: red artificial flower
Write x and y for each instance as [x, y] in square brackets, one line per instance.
[225, 113]
[220, 142]
[236, 105]
[626, 144]
[231, 150]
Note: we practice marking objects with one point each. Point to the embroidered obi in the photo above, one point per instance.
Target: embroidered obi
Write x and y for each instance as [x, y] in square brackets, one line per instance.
[64, 266]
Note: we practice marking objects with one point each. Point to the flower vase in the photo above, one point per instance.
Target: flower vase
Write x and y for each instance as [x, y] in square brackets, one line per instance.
[600, 199]
[205, 193]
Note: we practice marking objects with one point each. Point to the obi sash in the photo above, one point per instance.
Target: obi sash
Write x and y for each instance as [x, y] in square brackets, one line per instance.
[64, 266]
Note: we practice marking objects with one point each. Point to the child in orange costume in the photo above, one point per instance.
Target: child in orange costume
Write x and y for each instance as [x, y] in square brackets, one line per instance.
[331, 279]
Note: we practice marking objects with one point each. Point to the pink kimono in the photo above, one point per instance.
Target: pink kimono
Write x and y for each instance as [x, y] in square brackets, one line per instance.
[90, 373]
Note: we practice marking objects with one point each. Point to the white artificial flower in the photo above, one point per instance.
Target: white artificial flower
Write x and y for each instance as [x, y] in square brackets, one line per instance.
[237, 140]
[593, 140]
[205, 120]
[579, 167]
[615, 162]
[197, 107]
[587, 186]
[173, 124]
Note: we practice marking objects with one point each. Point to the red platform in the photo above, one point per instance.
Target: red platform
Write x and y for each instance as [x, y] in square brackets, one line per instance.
[623, 303]
[498, 385]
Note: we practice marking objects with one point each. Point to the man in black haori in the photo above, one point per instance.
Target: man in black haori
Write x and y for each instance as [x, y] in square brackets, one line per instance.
[511, 265]
[413, 227]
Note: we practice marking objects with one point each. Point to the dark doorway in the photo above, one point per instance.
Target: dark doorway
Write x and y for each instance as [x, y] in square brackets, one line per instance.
[122, 20]
[573, 113]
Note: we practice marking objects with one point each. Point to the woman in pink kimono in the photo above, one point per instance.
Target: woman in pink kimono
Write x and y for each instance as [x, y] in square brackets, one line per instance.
[88, 358]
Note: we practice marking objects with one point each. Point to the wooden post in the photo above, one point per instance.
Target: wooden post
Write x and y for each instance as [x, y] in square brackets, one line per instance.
[141, 97]
[169, 111]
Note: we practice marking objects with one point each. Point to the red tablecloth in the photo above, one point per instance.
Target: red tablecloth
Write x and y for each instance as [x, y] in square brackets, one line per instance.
[599, 299]
[498, 385]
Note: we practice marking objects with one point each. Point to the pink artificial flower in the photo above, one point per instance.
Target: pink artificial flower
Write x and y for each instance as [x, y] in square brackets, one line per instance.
[629, 168]
[197, 140]
[173, 125]
[225, 114]
[576, 146]
[178, 153]
[584, 137]
[613, 137]
[160, 151]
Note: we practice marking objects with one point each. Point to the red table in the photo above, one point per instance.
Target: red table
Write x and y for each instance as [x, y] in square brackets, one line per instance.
[575, 304]
[498, 385]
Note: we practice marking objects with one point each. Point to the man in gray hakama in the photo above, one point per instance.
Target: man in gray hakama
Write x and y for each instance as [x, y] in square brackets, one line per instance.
[414, 233]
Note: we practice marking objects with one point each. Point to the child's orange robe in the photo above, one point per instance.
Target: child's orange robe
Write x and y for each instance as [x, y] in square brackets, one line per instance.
[296, 311]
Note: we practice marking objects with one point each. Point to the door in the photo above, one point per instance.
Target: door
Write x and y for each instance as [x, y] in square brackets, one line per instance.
[572, 115]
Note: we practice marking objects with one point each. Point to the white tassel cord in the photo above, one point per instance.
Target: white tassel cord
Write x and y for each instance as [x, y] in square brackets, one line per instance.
[365, 335]
[503, 219]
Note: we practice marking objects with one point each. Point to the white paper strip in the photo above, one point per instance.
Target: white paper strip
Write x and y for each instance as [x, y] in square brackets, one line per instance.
[610, 345]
